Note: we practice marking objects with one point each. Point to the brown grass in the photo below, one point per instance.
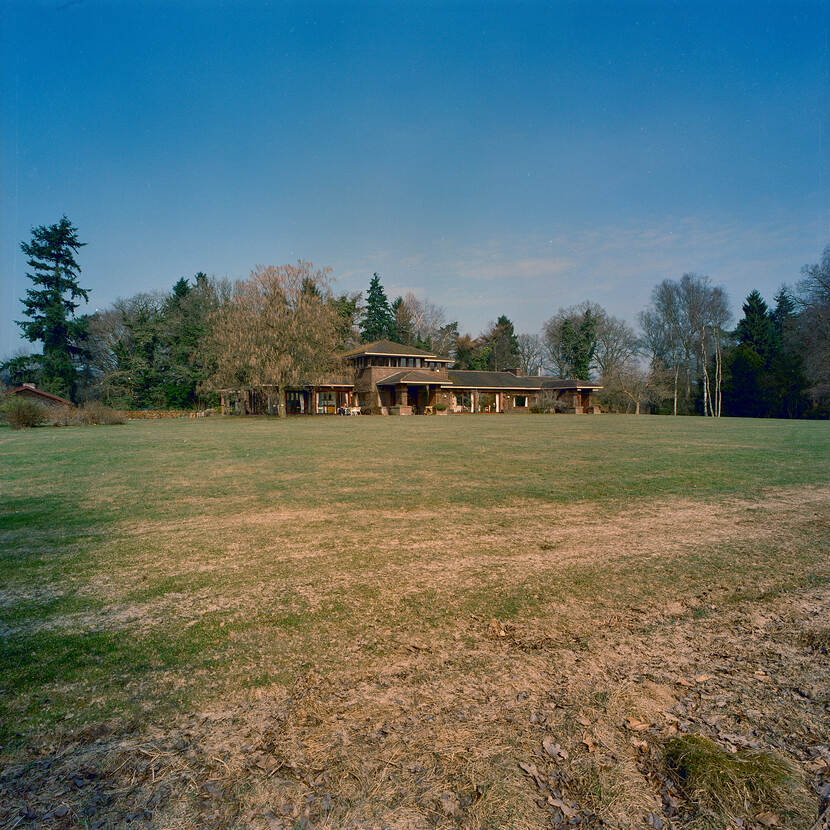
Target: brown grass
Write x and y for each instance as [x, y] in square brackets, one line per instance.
[376, 667]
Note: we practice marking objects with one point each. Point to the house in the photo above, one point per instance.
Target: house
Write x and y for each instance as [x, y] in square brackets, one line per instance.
[392, 379]
[29, 390]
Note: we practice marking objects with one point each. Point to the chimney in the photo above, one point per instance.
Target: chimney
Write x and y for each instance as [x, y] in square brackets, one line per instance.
[29, 386]
[515, 370]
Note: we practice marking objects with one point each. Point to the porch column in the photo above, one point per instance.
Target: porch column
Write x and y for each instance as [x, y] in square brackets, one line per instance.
[404, 396]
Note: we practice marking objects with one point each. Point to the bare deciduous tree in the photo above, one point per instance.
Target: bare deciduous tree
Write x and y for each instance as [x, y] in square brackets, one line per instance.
[427, 323]
[814, 324]
[683, 332]
[617, 345]
[278, 329]
[530, 353]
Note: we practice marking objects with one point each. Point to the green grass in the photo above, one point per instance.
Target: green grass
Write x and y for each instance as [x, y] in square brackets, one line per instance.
[726, 782]
[175, 560]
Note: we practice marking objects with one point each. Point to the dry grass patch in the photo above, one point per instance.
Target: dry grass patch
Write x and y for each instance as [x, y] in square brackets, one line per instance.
[230, 628]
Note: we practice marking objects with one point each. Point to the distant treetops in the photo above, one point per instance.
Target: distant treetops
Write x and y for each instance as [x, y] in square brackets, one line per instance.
[172, 349]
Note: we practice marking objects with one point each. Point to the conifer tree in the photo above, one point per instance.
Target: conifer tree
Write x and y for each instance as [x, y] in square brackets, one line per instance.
[378, 322]
[784, 310]
[504, 353]
[756, 329]
[50, 305]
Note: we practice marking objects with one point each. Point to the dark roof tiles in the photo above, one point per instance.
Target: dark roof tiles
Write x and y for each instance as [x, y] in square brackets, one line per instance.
[387, 347]
[474, 379]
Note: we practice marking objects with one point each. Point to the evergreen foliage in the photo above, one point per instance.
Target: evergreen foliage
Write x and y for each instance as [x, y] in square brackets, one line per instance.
[764, 374]
[147, 351]
[378, 321]
[756, 329]
[347, 307]
[579, 344]
[51, 305]
[784, 312]
[504, 346]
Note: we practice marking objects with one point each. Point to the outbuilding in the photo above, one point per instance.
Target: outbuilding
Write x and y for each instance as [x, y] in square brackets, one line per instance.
[29, 390]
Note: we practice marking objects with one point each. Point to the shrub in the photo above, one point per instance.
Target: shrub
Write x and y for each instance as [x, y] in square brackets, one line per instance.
[62, 416]
[155, 414]
[97, 413]
[440, 407]
[19, 412]
[91, 413]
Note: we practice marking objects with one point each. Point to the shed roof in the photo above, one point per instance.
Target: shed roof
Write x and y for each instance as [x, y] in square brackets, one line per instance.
[31, 389]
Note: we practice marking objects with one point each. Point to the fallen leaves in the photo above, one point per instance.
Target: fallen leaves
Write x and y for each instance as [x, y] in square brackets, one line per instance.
[533, 772]
[553, 749]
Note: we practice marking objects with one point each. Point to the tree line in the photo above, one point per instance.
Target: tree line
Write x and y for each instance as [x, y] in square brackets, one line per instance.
[283, 326]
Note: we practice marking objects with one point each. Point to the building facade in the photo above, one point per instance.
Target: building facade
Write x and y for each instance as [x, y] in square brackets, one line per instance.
[391, 379]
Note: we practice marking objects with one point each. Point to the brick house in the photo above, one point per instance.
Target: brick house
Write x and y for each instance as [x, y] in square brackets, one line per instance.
[392, 379]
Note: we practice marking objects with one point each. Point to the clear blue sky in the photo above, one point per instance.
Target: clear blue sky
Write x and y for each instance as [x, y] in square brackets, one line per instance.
[493, 157]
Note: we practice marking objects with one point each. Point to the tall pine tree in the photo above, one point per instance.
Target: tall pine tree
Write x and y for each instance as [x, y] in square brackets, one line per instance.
[50, 305]
[756, 330]
[378, 322]
[504, 352]
[764, 375]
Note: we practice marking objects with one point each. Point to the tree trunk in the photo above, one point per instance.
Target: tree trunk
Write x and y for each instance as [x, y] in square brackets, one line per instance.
[676, 378]
[281, 401]
[707, 396]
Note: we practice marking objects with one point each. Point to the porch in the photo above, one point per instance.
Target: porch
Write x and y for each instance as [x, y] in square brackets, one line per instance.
[410, 393]
[309, 400]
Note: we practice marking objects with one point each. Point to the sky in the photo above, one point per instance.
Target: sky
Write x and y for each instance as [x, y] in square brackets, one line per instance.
[494, 158]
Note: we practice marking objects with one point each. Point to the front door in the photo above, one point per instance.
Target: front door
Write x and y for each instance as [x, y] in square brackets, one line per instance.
[413, 393]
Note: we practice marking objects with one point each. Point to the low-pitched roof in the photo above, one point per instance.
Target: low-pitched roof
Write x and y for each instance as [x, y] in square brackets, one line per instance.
[413, 377]
[560, 383]
[33, 390]
[386, 348]
[475, 379]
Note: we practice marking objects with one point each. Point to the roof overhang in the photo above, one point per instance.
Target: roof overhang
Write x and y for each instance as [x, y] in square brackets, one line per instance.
[401, 382]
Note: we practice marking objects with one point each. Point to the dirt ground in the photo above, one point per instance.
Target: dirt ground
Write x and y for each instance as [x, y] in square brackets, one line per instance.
[640, 622]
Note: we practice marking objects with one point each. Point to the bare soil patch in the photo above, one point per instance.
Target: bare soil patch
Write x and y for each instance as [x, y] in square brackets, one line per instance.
[523, 666]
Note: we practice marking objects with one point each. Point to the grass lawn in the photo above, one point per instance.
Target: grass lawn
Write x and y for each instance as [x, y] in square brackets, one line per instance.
[373, 622]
